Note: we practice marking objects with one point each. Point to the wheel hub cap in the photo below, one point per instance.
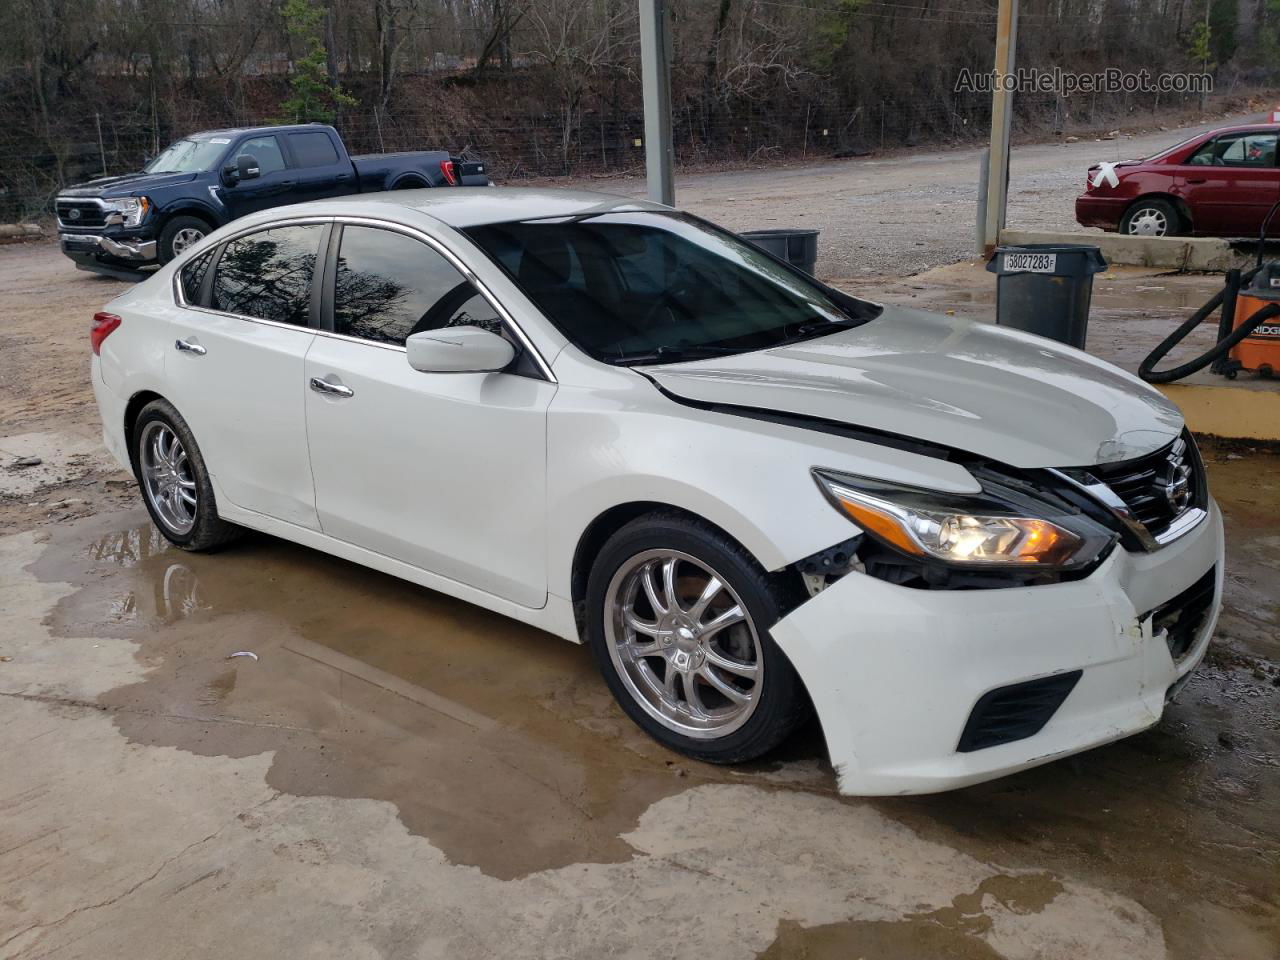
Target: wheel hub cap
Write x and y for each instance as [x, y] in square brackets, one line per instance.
[683, 644]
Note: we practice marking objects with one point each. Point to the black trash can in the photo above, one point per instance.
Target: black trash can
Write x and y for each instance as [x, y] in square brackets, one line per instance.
[1045, 288]
[798, 247]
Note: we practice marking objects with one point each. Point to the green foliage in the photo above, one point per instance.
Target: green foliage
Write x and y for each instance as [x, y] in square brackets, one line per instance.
[1199, 47]
[833, 32]
[314, 97]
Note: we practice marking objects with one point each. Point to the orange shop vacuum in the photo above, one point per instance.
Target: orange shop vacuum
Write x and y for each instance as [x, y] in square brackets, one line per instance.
[1248, 327]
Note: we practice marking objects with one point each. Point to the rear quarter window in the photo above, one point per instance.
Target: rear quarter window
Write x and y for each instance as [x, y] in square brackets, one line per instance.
[192, 278]
[313, 149]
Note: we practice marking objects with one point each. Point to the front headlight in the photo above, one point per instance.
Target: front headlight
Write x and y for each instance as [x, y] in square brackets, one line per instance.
[1002, 526]
[127, 211]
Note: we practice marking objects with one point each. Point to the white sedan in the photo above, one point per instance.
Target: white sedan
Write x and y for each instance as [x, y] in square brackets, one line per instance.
[968, 549]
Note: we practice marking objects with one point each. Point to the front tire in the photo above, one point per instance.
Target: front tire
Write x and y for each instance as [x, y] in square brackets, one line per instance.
[179, 235]
[678, 621]
[175, 482]
[1151, 218]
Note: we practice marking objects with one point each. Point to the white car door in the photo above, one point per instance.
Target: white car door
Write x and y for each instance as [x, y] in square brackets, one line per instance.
[445, 472]
[235, 369]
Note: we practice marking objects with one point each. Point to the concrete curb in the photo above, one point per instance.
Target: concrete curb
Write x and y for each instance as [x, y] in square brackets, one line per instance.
[1227, 411]
[1200, 254]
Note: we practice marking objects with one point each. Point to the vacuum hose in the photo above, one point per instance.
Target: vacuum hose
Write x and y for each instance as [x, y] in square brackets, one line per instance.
[1225, 298]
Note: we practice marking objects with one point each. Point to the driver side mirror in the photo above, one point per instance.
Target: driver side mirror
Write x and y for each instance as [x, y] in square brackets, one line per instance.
[463, 349]
[245, 168]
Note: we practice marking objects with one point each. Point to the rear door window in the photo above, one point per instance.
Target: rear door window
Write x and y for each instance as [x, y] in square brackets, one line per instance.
[1251, 150]
[388, 286]
[267, 275]
[313, 149]
[1237, 150]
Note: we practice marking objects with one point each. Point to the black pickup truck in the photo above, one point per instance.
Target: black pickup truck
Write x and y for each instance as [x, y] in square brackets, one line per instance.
[115, 225]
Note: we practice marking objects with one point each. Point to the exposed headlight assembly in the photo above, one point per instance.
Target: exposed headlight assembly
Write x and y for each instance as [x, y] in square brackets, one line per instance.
[127, 211]
[1003, 528]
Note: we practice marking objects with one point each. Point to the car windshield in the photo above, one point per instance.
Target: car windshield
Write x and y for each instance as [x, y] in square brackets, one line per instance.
[652, 287]
[187, 156]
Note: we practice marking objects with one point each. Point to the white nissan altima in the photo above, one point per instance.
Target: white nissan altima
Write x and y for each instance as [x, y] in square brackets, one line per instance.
[968, 549]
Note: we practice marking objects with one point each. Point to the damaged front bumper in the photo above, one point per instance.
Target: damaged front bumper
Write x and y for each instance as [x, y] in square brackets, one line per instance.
[101, 253]
[897, 675]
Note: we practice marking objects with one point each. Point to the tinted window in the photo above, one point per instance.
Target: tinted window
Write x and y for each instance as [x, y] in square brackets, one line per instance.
[193, 276]
[312, 149]
[268, 274]
[647, 287]
[389, 285]
[266, 150]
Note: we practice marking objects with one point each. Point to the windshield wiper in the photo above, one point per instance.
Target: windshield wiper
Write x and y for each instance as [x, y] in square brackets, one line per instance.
[816, 328]
[668, 354]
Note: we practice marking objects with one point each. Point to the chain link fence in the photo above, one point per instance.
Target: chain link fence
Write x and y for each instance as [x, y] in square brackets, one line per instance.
[568, 143]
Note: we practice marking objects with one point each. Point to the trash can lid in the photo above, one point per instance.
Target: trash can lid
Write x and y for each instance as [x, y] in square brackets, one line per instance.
[1054, 259]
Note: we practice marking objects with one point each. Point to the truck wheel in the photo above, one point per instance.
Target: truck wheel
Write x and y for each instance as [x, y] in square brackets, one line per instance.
[179, 235]
[1151, 218]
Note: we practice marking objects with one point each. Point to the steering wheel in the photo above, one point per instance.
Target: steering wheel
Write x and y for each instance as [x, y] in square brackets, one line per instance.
[666, 299]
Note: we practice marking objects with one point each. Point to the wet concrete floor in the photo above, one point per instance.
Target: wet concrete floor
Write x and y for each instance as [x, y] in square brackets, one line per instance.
[499, 747]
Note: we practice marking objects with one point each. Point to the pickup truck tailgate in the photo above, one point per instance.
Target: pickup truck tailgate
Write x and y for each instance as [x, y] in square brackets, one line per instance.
[472, 173]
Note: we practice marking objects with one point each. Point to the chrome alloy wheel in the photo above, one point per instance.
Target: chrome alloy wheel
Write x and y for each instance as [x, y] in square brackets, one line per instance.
[1149, 222]
[185, 238]
[683, 644]
[167, 478]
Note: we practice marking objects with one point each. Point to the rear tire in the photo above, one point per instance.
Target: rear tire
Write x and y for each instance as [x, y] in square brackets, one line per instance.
[1151, 218]
[175, 482]
[718, 693]
[179, 235]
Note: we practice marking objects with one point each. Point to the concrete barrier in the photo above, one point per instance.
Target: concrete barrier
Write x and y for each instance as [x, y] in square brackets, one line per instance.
[1198, 254]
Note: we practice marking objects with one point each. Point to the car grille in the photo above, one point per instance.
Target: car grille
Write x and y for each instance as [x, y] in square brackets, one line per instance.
[1015, 712]
[1182, 618]
[1160, 487]
[80, 213]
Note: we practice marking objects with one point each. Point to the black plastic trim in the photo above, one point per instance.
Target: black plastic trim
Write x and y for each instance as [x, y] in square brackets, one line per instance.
[1016, 712]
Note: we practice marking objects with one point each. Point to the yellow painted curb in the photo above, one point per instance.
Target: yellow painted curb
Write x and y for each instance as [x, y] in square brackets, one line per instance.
[1227, 411]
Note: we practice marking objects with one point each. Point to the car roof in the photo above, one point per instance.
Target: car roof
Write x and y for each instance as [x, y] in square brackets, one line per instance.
[236, 131]
[1246, 128]
[462, 207]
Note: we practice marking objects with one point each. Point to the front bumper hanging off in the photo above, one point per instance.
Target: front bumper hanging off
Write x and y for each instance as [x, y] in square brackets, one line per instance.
[899, 675]
[99, 253]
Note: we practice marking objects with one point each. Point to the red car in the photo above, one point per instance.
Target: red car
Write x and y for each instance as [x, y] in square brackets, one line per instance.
[1217, 184]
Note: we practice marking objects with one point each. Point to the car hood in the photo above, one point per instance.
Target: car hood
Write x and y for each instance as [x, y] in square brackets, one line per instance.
[126, 184]
[999, 393]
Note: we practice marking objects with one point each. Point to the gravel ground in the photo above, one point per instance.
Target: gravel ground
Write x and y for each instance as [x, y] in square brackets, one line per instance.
[903, 214]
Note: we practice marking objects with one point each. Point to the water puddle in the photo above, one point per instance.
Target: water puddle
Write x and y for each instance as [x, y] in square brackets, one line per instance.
[366, 686]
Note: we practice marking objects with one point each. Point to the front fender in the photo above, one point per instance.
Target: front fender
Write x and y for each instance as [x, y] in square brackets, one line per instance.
[209, 207]
[751, 478]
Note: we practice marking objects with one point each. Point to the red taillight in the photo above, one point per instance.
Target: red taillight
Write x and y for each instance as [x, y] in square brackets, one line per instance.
[450, 171]
[103, 324]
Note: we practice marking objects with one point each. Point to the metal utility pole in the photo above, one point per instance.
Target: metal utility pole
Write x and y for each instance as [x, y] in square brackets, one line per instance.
[997, 185]
[655, 68]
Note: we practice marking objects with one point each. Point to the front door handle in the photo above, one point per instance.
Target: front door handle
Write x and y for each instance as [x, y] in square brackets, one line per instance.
[332, 389]
[1199, 180]
[186, 346]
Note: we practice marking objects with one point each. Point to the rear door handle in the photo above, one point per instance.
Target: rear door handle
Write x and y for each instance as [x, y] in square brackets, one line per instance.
[1200, 180]
[185, 346]
[332, 389]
